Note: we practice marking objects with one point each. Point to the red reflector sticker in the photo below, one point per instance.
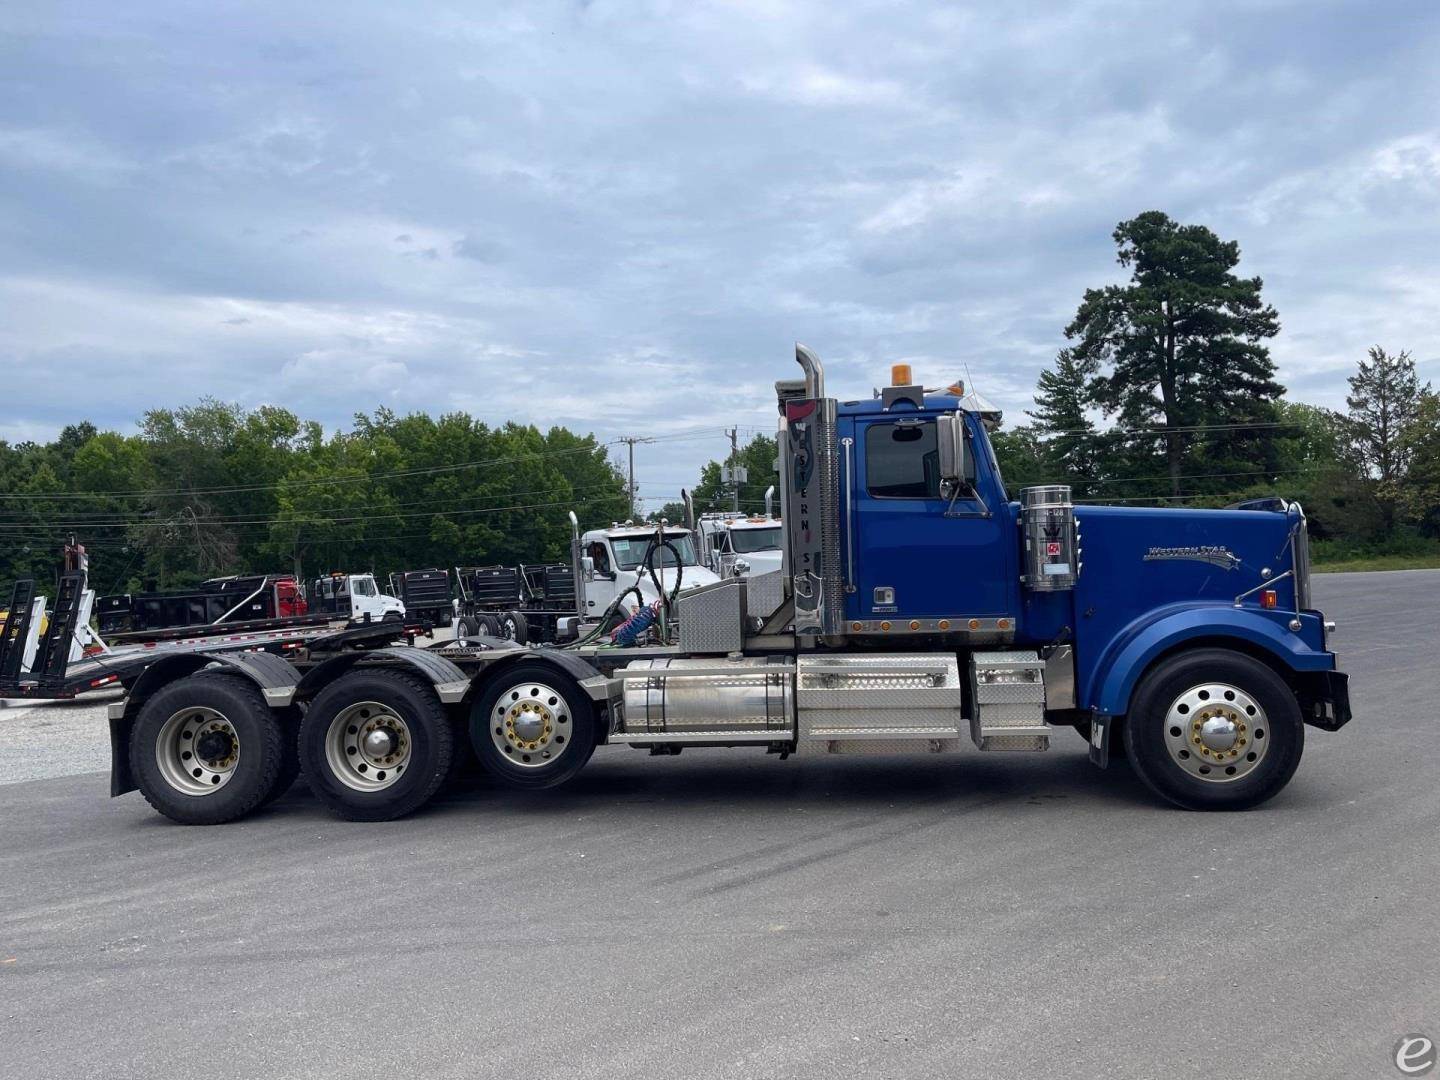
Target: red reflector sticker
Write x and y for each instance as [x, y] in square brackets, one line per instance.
[1052, 548]
[1269, 598]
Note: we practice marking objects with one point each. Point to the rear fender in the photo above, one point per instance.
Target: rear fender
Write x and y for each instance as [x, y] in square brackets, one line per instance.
[1108, 689]
[451, 684]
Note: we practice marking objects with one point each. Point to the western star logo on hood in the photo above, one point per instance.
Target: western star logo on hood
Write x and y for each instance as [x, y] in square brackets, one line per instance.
[1219, 556]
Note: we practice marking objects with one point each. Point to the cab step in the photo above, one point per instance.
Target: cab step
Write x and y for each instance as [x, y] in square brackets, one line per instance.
[1007, 701]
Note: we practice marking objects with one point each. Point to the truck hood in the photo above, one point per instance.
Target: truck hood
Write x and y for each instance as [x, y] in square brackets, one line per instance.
[691, 577]
[761, 562]
[1136, 559]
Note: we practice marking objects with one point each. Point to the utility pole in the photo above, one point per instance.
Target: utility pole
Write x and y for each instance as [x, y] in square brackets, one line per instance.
[734, 471]
[630, 441]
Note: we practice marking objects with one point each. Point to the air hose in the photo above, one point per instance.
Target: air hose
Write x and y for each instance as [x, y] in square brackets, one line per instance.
[628, 632]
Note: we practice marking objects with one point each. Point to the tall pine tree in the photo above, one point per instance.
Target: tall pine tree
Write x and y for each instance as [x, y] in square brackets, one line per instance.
[1180, 345]
[1062, 403]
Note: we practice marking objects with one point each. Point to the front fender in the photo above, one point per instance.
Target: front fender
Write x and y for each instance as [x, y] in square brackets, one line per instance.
[1113, 680]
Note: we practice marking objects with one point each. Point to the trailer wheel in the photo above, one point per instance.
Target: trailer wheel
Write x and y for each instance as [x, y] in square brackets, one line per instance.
[376, 744]
[207, 749]
[488, 625]
[514, 628]
[465, 629]
[1214, 730]
[533, 727]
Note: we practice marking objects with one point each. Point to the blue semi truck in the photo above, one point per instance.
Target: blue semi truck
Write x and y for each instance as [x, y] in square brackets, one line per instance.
[919, 607]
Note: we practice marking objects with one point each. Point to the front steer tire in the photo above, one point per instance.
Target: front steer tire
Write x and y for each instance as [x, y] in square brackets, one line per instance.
[347, 774]
[1251, 704]
[228, 713]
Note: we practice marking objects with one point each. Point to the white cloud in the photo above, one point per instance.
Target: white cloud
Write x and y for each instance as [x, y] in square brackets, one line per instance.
[621, 216]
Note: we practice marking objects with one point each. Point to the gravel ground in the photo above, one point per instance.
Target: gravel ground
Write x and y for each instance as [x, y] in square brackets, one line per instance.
[40, 739]
[726, 914]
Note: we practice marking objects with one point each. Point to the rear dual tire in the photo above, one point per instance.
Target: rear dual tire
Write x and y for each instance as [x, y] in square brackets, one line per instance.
[533, 726]
[376, 745]
[207, 749]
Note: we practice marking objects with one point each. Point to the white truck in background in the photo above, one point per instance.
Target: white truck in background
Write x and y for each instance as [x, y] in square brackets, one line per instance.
[733, 545]
[612, 564]
[353, 596]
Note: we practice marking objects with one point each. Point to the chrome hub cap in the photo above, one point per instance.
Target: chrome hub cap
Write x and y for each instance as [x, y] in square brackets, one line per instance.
[367, 746]
[531, 725]
[1216, 732]
[197, 751]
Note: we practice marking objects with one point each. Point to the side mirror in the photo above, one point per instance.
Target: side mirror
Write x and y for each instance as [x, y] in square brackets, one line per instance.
[587, 564]
[952, 448]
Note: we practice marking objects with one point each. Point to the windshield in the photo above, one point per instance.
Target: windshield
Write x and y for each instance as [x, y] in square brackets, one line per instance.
[629, 550]
[744, 541]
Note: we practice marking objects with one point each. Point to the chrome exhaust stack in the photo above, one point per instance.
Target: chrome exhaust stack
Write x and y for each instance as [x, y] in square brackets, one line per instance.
[576, 567]
[814, 372]
[810, 503]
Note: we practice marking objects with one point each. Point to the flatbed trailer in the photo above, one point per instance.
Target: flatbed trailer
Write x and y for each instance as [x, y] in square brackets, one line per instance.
[54, 675]
[196, 632]
[918, 609]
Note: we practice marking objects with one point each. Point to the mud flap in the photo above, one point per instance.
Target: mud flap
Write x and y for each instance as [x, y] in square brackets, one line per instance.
[120, 779]
[1100, 734]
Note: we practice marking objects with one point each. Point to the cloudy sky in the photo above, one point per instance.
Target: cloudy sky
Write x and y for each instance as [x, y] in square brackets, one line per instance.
[619, 216]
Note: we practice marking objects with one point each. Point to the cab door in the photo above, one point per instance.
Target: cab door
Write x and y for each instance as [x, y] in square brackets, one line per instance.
[917, 555]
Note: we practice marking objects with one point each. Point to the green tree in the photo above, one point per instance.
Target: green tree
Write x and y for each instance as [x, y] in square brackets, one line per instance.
[1384, 400]
[1180, 345]
[1023, 456]
[1420, 446]
[1062, 416]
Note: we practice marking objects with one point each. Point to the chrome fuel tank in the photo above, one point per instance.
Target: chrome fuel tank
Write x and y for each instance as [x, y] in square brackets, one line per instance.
[697, 698]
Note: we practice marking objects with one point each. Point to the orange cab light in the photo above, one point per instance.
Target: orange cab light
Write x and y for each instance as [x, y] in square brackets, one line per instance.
[914, 624]
[1269, 598]
[884, 626]
[974, 624]
[944, 624]
[900, 375]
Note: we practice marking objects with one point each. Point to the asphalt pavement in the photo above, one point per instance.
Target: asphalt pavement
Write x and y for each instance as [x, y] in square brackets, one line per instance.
[727, 914]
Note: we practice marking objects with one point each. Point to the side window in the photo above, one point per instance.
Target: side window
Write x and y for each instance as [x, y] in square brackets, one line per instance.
[902, 461]
[601, 559]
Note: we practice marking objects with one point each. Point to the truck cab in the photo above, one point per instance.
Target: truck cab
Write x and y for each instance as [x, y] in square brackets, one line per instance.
[354, 596]
[614, 563]
[738, 546]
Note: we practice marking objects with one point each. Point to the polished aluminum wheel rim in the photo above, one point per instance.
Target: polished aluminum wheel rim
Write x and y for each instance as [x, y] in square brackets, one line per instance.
[530, 725]
[197, 750]
[367, 746]
[1216, 732]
